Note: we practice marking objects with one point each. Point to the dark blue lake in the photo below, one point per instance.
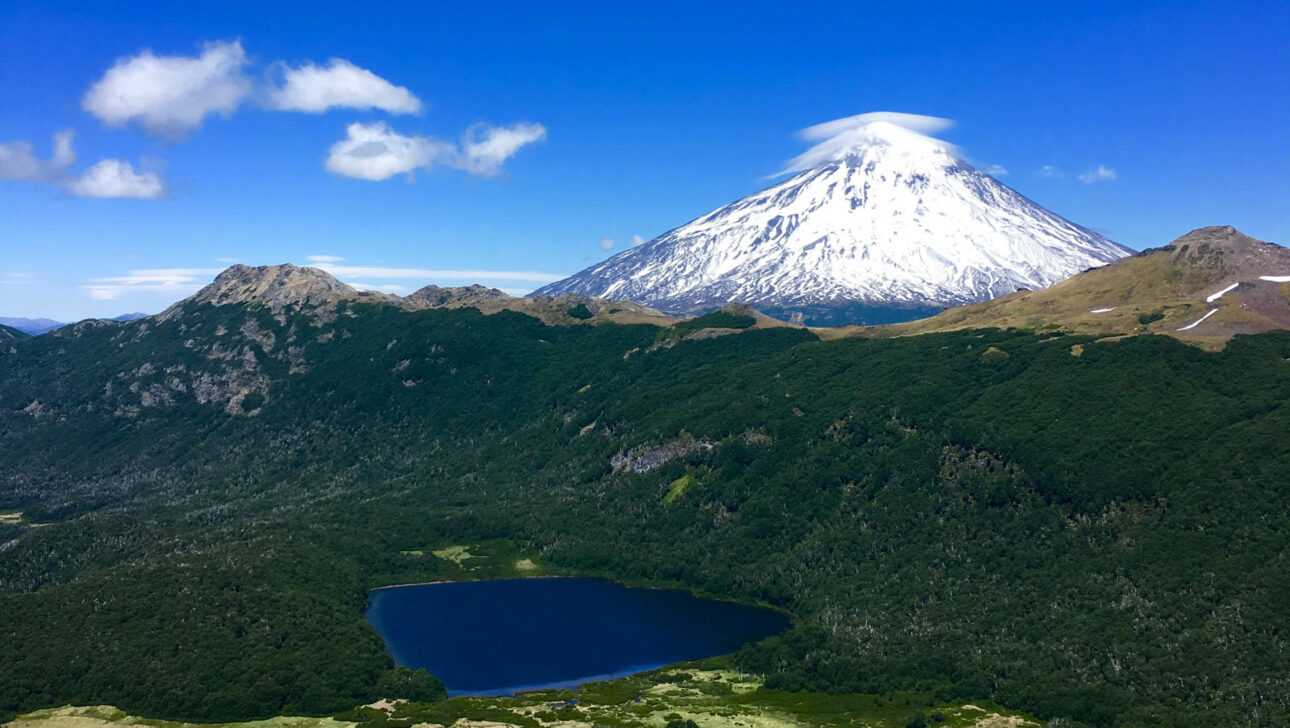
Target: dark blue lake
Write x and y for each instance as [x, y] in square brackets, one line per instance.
[499, 637]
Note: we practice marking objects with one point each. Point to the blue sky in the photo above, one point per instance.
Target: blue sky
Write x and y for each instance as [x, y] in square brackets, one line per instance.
[583, 122]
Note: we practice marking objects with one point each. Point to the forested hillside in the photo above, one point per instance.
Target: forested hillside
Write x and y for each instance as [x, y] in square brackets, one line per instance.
[1088, 530]
[9, 339]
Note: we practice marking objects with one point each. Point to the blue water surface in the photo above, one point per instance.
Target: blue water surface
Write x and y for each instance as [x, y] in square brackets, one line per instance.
[500, 637]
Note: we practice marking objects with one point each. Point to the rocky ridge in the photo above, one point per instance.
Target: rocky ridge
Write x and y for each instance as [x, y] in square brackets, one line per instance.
[1205, 286]
[278, 287]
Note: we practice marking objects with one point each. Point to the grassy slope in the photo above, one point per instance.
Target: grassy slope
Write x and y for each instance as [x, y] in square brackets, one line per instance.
[1146, 284]
[106, 716]
[709, 693]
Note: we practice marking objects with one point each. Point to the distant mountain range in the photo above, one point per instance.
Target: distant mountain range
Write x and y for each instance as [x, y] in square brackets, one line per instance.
[1203, 287]
[893, 225]
[36, 327]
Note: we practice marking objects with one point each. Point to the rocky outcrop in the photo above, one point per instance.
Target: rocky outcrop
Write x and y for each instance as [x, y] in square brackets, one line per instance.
[275, 287]
[646, 458]
[1228, 253]
[453, 296]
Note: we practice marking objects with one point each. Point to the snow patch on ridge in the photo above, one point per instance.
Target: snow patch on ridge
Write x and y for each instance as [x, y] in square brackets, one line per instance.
[1215, 296]
[1198, 321]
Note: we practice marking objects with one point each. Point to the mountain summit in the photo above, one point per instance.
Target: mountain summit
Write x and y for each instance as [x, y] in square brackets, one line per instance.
[278, 287]
[274, 286]
[1204, 287]
[877, 213]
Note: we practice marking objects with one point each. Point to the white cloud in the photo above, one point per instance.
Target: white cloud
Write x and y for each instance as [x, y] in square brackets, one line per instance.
[114, 178]
[386, 288]
[178, 282]
[361, 272]
[996, 170]
[637, 240]
[315, 89]
[17, 279]
[1101, 173]
[169, 96]
[376, 152]
[835, 139]
[606, 243]
[166, 276]
[1050, 172]
[64, 155]
[324, 258]
[18, 160]
[485, 148]
[107, 178]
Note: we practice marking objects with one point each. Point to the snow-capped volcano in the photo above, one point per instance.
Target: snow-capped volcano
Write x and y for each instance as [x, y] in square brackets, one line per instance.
[877, 213]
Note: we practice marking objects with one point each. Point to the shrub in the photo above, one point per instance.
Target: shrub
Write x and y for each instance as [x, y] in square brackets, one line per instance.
[418, 686]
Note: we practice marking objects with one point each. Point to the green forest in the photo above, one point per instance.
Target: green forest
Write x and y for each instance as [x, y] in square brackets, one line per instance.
[1094, 532]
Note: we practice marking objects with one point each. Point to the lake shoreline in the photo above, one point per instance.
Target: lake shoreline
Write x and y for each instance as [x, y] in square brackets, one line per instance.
[476, 581]
[635, 584]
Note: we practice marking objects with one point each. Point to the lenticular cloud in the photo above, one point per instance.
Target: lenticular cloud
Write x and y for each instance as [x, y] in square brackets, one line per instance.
[835, 139]
[926, 125]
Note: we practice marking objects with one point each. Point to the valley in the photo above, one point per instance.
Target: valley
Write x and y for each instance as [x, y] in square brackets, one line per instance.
[973, 521]
[667, 365]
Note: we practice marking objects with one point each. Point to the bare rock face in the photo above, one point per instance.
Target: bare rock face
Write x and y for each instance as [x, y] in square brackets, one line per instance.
[1227, 251]
[564, 309]
[274, 286]
[568, 300]
[645, 458]
[453, 296]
